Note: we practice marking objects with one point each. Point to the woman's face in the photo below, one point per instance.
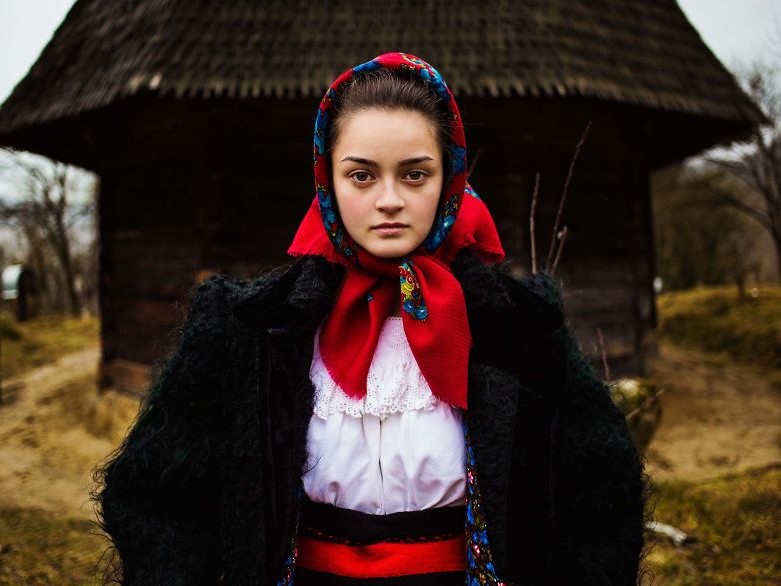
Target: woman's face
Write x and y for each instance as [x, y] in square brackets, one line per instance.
[387, 169]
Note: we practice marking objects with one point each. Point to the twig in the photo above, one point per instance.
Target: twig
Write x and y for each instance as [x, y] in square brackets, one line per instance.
[575, 156]
[531, 221]
[562, 239]
[604, 354]
[645, 403]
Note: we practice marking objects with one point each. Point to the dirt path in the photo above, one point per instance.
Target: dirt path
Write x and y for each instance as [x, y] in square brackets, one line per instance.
[53, 430]
[715, 419]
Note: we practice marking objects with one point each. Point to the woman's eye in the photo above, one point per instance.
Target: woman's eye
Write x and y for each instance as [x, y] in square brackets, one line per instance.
[416, 176]
[360, 176]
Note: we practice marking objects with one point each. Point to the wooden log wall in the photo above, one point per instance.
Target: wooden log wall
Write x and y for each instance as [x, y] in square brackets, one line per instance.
[607, 266]
[192, 189]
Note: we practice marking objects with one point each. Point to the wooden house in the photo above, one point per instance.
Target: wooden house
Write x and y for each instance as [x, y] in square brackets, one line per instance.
[198, 118]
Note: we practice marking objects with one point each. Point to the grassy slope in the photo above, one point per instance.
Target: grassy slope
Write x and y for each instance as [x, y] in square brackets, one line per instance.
[42, 340]
[736, 521]
[38, 548]
[712, 319]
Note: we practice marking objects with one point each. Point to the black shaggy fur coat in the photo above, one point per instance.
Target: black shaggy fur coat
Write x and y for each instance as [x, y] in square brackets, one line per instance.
[202, 489]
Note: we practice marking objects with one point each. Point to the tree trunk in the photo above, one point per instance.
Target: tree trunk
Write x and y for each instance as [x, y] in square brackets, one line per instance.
[740, 281]
[776, 234]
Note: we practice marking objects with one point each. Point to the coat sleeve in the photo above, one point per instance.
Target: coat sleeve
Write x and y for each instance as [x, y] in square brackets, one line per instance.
[597, 479]
[597, 474]
[159, 498]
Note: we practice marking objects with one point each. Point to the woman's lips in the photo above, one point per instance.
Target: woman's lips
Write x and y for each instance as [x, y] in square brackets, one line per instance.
[389, 230]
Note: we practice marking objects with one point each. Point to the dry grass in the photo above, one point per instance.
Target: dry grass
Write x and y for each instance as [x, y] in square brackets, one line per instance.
[38, 547]
[736, 521]
[736, 518]
[42, 340]
[714, 320]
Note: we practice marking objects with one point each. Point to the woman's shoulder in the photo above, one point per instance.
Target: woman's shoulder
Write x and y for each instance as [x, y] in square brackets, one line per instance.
[298, 292]
[492, 293]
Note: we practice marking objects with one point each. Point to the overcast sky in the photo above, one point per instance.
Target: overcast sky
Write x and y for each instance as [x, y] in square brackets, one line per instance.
[738, 31]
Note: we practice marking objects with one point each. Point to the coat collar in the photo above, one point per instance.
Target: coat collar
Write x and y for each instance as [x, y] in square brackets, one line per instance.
[299, 294]
[302, 294]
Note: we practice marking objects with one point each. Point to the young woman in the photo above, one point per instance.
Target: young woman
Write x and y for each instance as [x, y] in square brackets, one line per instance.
[392, 408]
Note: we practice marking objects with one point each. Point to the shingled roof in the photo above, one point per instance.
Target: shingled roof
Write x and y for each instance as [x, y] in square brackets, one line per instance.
[641, 52]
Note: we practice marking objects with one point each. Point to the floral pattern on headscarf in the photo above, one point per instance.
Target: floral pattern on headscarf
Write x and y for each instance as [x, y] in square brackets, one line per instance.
[421, 282]
[446, 215]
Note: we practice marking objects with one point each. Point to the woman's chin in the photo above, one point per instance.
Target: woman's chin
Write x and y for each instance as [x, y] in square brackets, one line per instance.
[390, 249]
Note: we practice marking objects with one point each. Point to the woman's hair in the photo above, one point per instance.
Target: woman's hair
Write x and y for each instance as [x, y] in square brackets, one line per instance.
[392, 90]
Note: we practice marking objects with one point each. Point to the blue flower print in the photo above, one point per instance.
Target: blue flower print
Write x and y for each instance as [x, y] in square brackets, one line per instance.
[321, 130]
[457, 158]
[434, 79]
[368, 66]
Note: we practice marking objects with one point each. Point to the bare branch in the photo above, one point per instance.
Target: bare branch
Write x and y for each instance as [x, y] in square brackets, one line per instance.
[605, 365]
[739, 205]
[44, 216]
[564, 192]
[531, 221]
[562, 238]
[738, 170]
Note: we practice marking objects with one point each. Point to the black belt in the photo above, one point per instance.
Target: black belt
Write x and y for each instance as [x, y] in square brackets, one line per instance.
[330, 523]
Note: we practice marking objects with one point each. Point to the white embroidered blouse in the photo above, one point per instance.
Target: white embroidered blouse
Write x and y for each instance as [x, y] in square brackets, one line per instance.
[398, 448]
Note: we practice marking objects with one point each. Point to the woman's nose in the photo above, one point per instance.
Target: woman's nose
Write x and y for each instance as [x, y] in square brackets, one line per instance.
[390, 199]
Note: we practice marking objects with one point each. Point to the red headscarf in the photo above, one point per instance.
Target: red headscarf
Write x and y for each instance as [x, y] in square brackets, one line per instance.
[434, 311]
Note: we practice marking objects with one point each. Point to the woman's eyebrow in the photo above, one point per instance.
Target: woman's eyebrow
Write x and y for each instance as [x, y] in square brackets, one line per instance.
[413, 160]
[361, 160]
[370, 163]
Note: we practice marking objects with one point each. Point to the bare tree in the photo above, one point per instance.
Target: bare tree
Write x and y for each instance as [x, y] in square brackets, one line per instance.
[697, 242]
[751, 181]
[44, 212]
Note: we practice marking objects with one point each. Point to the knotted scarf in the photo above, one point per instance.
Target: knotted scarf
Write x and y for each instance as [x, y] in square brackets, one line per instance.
[434, 310]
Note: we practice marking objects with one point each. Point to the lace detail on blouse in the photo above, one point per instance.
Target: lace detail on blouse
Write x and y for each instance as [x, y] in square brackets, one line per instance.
[394, 383]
